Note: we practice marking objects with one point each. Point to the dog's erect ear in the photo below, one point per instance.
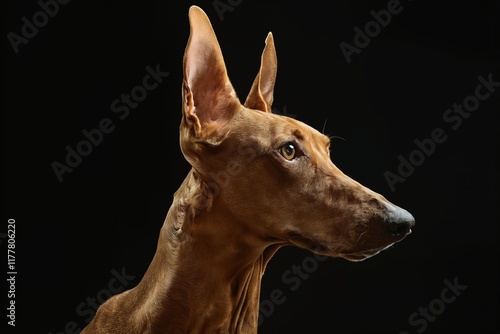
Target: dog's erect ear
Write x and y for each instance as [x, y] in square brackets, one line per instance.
[261, 93]
[209, 99]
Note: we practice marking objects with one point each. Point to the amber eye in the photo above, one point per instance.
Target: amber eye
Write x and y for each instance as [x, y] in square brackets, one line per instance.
[288, 151]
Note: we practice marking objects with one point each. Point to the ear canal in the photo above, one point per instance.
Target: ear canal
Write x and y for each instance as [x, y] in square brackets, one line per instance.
[261, 94]
[208, 96]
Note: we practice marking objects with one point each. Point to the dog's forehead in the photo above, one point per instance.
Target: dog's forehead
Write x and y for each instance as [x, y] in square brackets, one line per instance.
[306, 133]
[278, 128]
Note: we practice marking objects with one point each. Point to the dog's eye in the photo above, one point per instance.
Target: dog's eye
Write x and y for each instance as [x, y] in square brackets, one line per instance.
[288, 151]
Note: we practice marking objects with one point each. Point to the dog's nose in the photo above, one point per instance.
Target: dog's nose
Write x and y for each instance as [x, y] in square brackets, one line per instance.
[399, 221]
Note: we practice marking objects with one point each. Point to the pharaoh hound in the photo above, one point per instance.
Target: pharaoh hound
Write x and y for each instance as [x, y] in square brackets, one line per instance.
[259, 181]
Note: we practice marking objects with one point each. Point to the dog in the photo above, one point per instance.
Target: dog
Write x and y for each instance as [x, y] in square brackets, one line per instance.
[259, 181]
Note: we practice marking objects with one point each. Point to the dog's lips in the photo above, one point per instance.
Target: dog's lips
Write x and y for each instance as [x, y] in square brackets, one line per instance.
[363, 255]
[323, 248]
[356, 258]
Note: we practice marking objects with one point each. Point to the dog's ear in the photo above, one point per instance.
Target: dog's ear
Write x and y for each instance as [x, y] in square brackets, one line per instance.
[261, 93]
[209, 99]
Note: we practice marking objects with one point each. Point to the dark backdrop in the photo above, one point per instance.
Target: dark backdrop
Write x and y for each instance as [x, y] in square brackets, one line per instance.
[102, 221]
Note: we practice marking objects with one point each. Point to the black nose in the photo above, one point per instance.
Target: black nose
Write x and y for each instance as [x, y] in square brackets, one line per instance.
[399, 229]
[399, 222]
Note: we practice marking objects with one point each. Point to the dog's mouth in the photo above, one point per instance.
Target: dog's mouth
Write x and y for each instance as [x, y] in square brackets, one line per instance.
[357, 257]
[323, 248]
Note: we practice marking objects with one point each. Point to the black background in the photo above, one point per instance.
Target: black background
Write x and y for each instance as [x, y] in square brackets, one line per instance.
[107, 213]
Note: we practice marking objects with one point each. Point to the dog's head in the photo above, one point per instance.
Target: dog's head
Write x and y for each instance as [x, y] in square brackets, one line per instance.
[272, 173]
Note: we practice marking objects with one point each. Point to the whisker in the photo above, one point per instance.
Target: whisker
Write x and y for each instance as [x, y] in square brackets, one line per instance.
[337, 137]
[330, 136]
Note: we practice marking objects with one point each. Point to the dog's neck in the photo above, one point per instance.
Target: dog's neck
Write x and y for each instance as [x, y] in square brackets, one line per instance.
[206, 275]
